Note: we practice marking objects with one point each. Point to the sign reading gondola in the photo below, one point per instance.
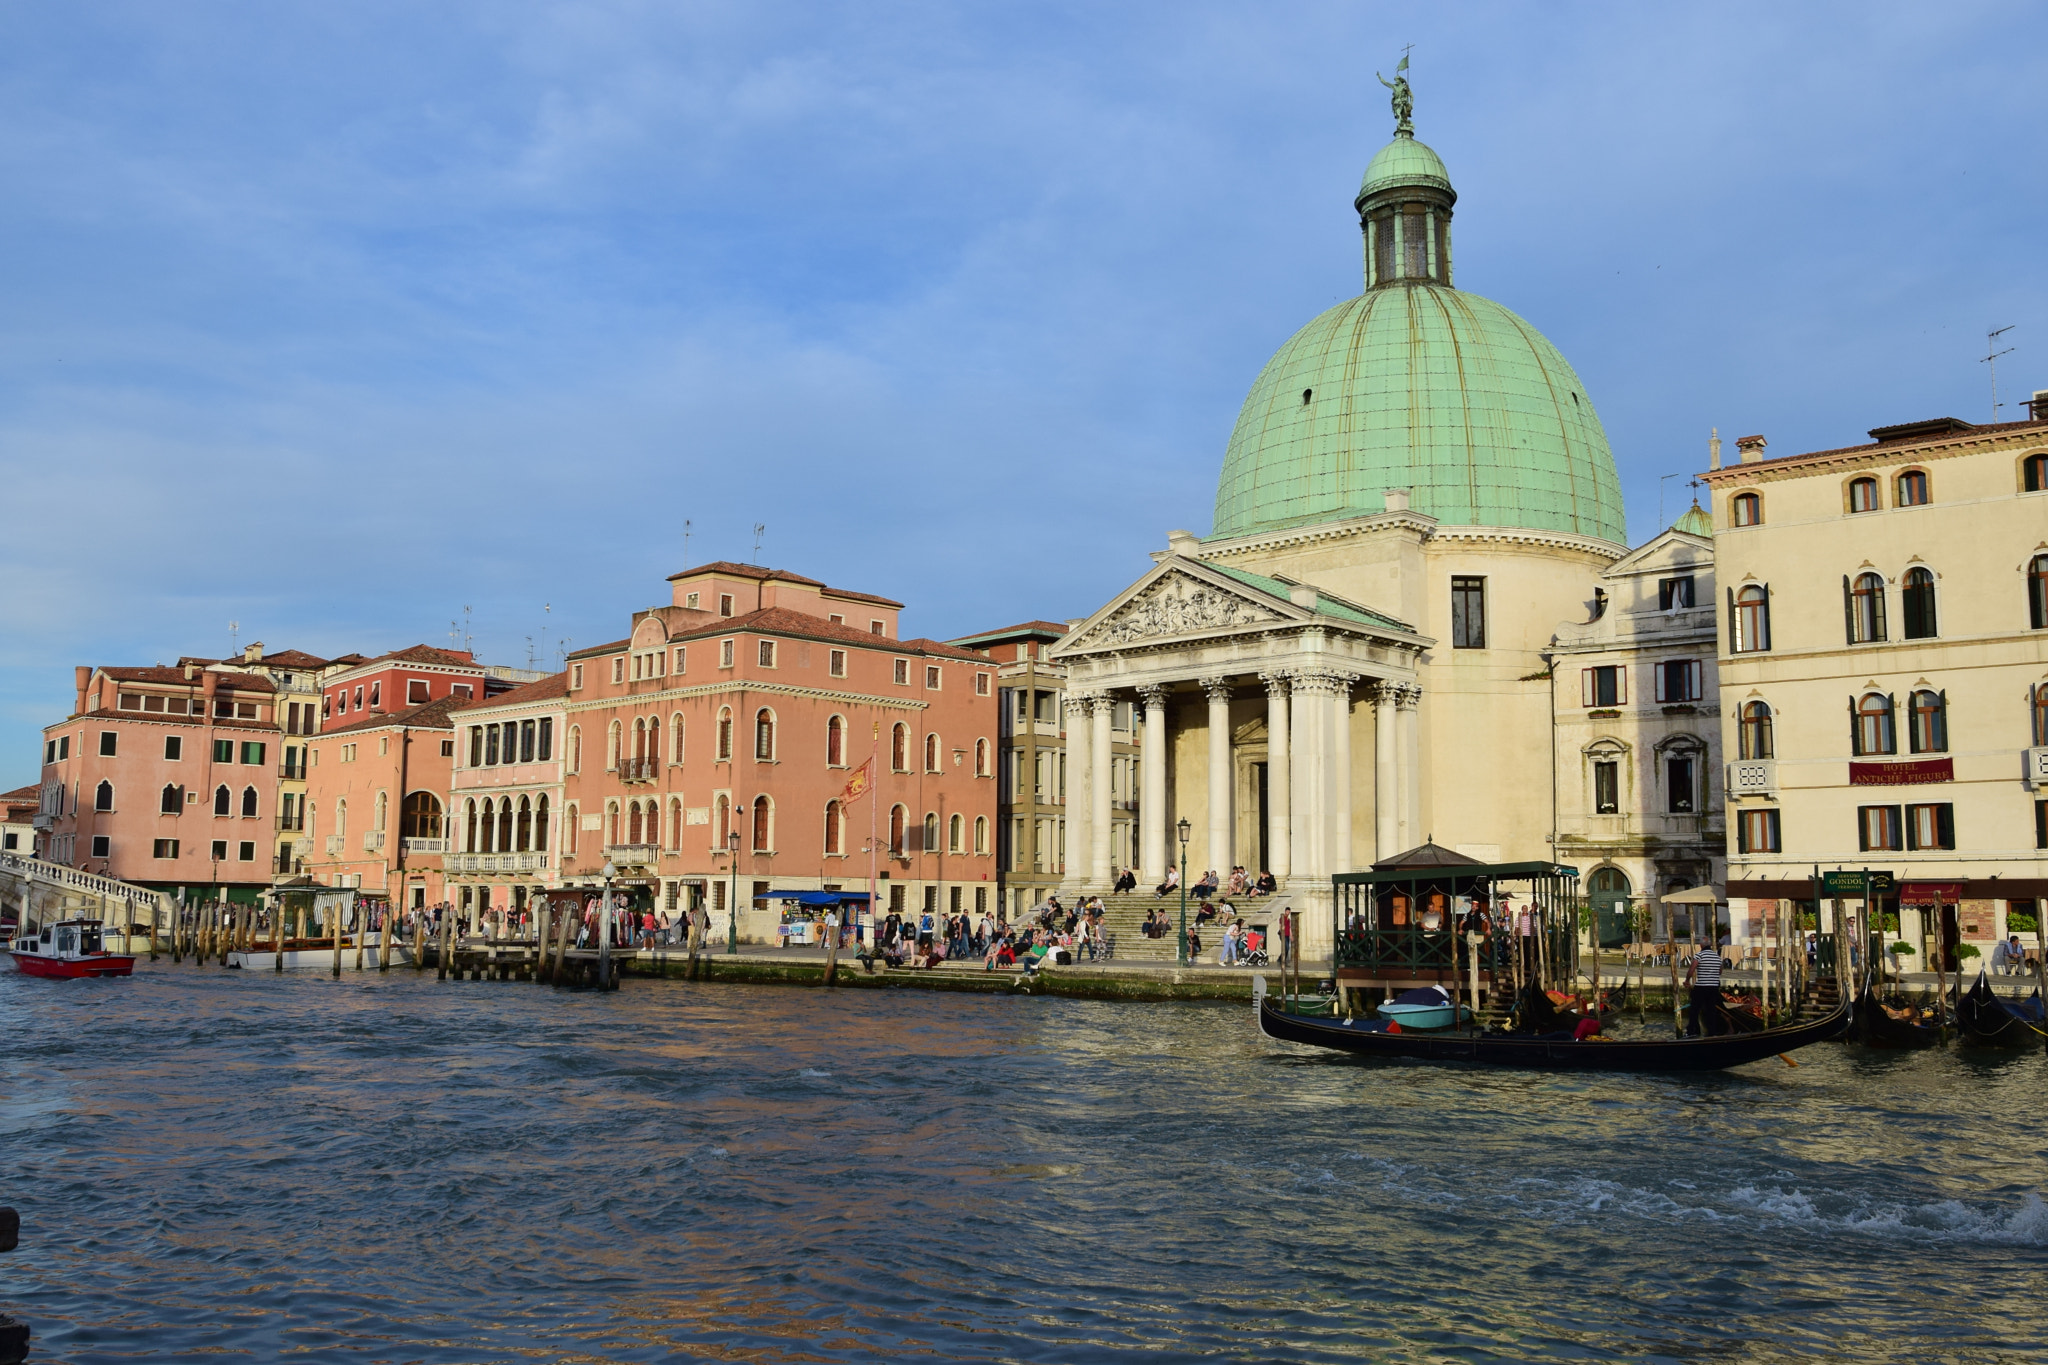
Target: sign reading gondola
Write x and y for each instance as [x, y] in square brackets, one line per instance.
[1851, 883]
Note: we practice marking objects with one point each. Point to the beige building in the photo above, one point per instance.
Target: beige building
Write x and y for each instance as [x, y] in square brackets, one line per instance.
[1884, 664]
[1637, 766]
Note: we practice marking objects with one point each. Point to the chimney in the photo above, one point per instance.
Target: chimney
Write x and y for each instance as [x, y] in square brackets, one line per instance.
[1714, 448]
[253, 653]
[1396, 499]
[191, 672]
[207, 683]
[1751, 448]
[80, 675]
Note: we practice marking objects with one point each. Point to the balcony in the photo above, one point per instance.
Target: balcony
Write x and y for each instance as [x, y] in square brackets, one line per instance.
[632, 855]
[373, 841]
[282, 866]
[2037, 769]
[292, 771]
[296, 823]
[639, 769]
[497, 862]
[334, 845]
[1753, 777]
[410, 846]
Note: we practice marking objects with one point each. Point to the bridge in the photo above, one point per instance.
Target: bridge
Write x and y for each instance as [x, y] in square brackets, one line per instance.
[42, 893]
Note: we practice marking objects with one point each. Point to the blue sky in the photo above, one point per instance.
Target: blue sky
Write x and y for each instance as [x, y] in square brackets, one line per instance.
[335, 319]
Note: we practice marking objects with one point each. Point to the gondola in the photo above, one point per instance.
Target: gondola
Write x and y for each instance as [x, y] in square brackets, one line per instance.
[1988, 1021]
[1872, 1027]
[1536, 1053]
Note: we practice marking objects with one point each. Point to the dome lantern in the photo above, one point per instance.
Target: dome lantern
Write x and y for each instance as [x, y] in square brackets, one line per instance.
[1404, 204]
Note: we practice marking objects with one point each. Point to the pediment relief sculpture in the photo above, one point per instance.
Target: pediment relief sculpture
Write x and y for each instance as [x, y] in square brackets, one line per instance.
[1177, 605]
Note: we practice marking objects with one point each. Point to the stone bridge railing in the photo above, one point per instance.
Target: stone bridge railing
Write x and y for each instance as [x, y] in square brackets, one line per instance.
[43, 891]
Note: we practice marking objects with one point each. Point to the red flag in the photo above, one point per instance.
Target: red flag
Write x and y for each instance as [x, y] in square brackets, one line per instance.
[857, 785]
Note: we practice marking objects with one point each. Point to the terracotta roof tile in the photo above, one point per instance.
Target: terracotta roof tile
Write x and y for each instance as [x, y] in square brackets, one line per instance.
[432, 715]
[759, 574]
[240, 682]
[548, 688]
[1889, 449]
[940, 649]
[1018, 631]
[23, 794]
[426, 654]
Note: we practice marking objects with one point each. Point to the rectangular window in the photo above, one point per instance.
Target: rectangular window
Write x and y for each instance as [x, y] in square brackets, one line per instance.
[223, 751]
[1757, 831]
[835, 664]
[1607, 788]
[376, 694]
[1606, 685]
[619, 669]
[1878, 828]
[174, 747]
[107, 741]
[1682, 786]
[416, 692]
[447, 748]
[101, 845]
[903, 672]
[130, 702]
[931, 677]
[981, 684]
[725, 604]
[682, 658]
[1674, 594]
[545, 748]
[526, 736]
[1468, 613]
[476, 746]
[253, 752]
[877, 628]
[1931, 826]
[575, 676]
[490, 745]
[1678, 680]
[725, 653]
[63, 748]
[766, 655]
[164, 848]
[2041, 824]
[245, 851]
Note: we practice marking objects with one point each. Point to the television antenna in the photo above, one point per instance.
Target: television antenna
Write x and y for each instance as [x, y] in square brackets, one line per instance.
[1990, 358]
[760, 529]
[234, 639]
[686, 542]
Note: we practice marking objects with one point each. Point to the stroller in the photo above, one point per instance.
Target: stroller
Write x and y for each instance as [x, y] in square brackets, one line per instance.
[1257, 957]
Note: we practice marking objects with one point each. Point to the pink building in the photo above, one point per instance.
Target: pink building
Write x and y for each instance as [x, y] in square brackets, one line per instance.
[506, 799]
[750, 706]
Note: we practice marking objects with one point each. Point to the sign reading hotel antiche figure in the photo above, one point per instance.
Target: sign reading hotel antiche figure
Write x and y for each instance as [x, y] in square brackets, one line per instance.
[1902, 774]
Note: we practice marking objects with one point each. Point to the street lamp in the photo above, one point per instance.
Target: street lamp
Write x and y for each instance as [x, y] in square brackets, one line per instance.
[1181, 950]
[732, 901]
[604, 928]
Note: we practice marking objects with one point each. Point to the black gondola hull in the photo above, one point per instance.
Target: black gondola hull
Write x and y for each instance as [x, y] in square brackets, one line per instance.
[1538, 1054]
[1872, 1027]
[1986, 1021]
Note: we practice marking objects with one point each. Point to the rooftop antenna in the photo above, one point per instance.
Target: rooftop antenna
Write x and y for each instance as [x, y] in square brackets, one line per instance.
[1662, 524]
[234, 639]
[686, 542]
[530, 656]
[468, 645]
[760, 529]
[1991, 358]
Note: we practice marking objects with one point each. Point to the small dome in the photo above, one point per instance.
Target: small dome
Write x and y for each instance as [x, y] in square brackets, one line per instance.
[1405, 162]
[1695, 521]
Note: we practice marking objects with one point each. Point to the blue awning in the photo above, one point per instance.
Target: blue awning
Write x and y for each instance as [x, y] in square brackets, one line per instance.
[819, 897]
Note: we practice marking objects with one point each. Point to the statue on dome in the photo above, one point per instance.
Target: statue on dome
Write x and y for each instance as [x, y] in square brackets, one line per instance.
[1404, 98]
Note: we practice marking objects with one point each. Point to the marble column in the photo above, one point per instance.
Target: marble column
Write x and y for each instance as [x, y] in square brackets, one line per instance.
[1099, 866]
[1155, 842]
[1385, 804]
[1278, 825]
[1307, 760]
[1218, 851]
[1080, 708]
[1411, 765]
[1340, 777]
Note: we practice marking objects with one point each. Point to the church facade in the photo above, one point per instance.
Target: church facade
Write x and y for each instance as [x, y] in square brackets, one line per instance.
[1360, 656]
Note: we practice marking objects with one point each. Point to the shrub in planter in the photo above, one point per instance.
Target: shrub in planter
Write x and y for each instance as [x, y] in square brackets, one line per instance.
[1967, 950]
[1902, 950]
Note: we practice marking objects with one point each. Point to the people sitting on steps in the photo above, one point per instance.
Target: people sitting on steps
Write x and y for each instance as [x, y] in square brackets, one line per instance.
[1126, 880]
[1172, 882]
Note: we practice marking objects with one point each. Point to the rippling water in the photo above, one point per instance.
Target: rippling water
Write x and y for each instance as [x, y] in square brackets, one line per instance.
[387, 1169]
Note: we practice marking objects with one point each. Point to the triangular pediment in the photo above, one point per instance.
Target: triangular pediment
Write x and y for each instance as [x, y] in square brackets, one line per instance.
[1673, 549]
[1180, 598]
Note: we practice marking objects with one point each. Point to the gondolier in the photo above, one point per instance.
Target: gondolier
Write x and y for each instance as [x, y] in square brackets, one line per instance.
[1708, 1014]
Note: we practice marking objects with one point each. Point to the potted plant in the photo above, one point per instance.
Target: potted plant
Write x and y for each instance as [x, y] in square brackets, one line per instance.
[1901, 951]
[1965, 951]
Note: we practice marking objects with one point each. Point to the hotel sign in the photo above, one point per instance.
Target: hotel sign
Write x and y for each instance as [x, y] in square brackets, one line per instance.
[1840, 883]
[1902, 774]
[1931, 893]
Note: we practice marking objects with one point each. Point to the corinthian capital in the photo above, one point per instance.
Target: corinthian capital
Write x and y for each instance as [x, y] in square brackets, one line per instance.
[1277, 682]
[1218, 688]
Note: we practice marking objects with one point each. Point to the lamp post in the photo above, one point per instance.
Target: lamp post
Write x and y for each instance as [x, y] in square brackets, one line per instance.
[732, 901]
[1180, 954]
[604, 928]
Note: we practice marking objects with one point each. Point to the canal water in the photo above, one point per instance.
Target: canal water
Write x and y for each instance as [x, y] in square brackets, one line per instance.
[213, 1165]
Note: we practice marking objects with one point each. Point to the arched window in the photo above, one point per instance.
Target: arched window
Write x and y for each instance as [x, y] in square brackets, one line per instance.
[2041, 713]
[223, 801]
[675, 821]
[613, 734]
[931, 753]
[899, 748]
[1747, 509]
[469, 826]
[930, 843]
[1751, 627]
[611, 822]
[1756, 731]
[835, 742]
[981, 768]
[722, 819]
[834, 828]
[421, 816]
[632, 822]
[764, 735]
[1866, 608]
[341, 818]
[956, 834]
[169, 802]
[2037, 592]
[1916, 598]
[1913, 489]
[1874, 730]
[523, 840]
[383, 809]
[1863, 495]
[639, 740]
[675, 742]
[249, 803]
[763, 825]
[981, 834]
[540, 823]
[569, 828]
[103, 796]
[575, 748]
[1927, 730]
[653, 743]
[725, 734]
[2034, 473]
[490, 840]
[897, 818]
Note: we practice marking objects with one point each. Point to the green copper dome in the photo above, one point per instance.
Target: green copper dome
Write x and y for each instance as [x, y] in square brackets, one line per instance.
[1695, 521]
[1420, 386]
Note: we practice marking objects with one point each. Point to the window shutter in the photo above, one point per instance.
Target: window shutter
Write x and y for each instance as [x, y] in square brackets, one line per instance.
[1945, 824]
[1848, 610]
[1938, 732]
[1742, 832]
[1659, 672]
[1891, 707]
[1586, 686]
[1764, 631]
[1855, 730]
[1695, 681]
[1621, 685]
[1863, 831]
[1734, 630]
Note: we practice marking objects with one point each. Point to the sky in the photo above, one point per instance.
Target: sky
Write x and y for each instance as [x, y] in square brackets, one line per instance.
[358, 324]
